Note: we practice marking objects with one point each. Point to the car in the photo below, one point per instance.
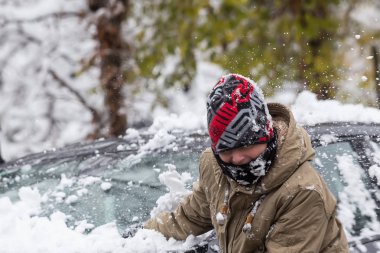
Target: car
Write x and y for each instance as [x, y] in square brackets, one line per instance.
[126, 180]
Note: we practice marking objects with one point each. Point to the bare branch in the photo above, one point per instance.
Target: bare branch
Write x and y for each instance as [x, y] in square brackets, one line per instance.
[50, 116]
[87, 63]
[94, 112]
[1, 158]
[44, 17]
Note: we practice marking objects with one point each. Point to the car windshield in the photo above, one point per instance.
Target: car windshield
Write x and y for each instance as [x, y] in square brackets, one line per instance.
[100, 188]
[339, 165]
[123, 185]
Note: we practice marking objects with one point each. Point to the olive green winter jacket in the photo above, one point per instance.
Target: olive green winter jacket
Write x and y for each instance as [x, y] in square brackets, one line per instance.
[296, 214]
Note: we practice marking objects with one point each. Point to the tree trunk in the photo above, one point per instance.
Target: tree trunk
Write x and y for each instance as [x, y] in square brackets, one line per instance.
[376, 74]
[113, 51]
[1, 158]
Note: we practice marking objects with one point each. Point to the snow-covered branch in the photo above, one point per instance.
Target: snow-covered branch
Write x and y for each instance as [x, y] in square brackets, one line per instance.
[57, 15]
[95, 115]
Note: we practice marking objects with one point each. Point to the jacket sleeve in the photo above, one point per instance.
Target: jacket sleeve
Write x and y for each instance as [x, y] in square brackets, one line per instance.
[192, 217]
[302, 225]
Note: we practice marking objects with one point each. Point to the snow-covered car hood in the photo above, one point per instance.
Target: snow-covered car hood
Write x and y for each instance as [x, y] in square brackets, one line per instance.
[80, 198]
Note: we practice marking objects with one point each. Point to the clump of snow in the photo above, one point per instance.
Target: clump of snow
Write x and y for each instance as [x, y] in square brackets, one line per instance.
[177, 191]
[65, 182]
[133, 159]
[161, 139]
[105, 186]
[30, 200]
[215, 248]
[82, 192]
[82, 226]
[121, 147]
[85, 181]
[132, 134]
[247, 227]
[220, 218]
[310, 111]
[59, 196]
[327, 138]
[72, 199]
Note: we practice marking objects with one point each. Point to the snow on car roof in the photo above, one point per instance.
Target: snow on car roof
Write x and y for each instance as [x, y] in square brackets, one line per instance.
[309, 111]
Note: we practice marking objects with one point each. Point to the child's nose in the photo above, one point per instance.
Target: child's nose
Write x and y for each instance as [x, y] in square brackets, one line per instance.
[237, 159]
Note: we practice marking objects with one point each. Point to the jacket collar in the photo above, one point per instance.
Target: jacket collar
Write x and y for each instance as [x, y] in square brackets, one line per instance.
[295, 144]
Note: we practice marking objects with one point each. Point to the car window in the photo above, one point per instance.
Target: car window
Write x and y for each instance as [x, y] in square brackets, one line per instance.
[339, 165]
[100, 188]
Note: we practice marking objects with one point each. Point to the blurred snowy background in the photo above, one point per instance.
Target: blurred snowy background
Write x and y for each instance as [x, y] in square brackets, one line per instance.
[73, 70]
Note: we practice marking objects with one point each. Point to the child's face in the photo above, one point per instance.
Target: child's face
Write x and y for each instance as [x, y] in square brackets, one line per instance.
[243, 155]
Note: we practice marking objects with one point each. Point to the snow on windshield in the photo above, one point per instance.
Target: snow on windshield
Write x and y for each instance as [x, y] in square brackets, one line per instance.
[374, 170]
[23, 230]
[354, 197]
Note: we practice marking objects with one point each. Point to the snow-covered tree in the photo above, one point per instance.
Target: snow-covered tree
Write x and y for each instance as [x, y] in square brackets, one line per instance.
[44, 101]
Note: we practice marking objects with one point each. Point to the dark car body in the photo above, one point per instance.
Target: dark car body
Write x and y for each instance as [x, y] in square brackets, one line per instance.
[132, 165]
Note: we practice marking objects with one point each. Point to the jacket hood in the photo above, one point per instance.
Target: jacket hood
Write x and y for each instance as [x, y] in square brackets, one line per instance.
[293, 150]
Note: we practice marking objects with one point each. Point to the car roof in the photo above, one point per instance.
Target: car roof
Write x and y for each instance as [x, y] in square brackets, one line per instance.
[101, 146]
[343, 129]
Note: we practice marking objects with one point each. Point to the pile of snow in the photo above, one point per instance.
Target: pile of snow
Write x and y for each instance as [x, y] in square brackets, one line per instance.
[23, 230]
[177, 190]
[161, 139]
[309, 111]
